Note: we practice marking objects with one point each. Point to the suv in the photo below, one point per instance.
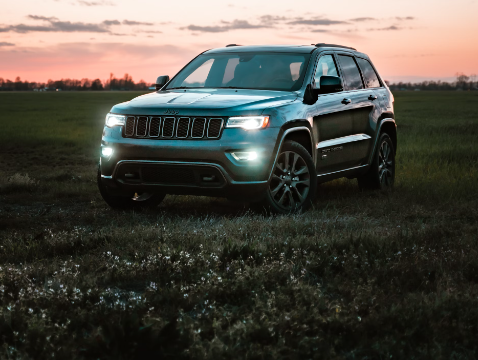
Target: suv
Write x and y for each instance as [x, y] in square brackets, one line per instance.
[261, 124]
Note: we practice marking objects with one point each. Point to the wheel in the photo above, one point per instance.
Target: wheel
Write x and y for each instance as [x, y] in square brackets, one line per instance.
[131, 201]
[293, 183]
[381, 175]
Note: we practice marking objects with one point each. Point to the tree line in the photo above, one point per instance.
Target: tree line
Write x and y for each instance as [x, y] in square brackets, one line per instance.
[463, 82]
[125, 83]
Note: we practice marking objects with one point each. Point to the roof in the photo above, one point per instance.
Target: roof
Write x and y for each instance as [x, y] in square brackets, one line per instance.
[304, 49]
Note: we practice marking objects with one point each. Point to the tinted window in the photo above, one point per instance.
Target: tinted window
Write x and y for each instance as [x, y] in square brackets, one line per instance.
[352, 78]
[369, 74]
[325, 66]
[272, 71]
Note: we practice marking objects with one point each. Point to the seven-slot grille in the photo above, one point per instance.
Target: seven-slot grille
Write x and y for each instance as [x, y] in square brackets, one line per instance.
[170, 127]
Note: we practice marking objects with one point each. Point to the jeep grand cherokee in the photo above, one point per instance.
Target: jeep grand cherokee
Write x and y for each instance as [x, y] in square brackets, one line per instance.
[256, 123]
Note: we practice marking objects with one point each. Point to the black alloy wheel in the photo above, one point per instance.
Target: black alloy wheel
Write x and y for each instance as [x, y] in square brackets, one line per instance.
[293, 183]
[381, 175]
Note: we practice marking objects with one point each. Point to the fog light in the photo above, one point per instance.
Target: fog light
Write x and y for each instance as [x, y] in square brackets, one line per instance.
[106, 151]
[244, 155]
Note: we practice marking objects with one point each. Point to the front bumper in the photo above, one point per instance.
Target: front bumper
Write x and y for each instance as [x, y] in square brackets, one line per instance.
[186, 166]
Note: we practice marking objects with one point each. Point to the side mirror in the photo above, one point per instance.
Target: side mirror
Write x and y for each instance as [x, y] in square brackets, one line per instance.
[330, 84]
[161, 81]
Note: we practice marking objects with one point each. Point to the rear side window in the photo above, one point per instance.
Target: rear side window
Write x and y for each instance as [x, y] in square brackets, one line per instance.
[352, 78]
[369, 74]
[325, 66]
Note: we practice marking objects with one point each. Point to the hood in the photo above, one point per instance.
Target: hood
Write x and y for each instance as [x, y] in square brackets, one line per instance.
[226, 100]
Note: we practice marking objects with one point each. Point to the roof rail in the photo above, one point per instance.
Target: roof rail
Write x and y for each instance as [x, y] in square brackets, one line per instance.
[334, 45]
[232, 45]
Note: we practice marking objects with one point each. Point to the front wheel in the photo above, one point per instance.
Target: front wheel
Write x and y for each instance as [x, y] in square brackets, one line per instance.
[381, 175]
[131, 201]
[293, 183]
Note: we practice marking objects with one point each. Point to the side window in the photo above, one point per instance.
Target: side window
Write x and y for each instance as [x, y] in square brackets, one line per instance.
[369, 74]
[325, 66]
[353, 80]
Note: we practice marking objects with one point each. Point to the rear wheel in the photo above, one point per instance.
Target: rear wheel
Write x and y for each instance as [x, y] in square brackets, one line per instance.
[129, 201]
[381, 175]
[293, 184]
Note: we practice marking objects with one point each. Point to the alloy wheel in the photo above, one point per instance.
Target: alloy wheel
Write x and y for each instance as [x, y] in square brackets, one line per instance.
[385, 165]
[290, 182]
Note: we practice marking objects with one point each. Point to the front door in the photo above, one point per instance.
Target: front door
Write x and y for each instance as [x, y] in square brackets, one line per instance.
[339, 120]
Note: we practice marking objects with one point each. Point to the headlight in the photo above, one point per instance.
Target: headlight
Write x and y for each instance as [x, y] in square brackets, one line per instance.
[115, 120]
[248, 122]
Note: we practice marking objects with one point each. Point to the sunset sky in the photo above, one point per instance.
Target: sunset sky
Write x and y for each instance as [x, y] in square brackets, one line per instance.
[408, 40]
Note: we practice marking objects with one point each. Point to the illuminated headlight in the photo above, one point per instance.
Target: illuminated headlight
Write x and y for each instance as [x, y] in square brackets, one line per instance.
[244, 155]
[106, 151]
[248, 122]
[115, 120]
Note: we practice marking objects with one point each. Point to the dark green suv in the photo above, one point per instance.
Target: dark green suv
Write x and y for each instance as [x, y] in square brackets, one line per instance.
[256, 123]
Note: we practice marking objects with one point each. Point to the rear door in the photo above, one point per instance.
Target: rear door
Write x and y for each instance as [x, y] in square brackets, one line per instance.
[364, 106]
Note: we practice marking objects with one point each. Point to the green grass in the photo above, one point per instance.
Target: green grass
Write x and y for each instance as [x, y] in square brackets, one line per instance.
[363, 275]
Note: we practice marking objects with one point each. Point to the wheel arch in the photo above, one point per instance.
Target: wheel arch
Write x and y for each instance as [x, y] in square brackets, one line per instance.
[301, 133]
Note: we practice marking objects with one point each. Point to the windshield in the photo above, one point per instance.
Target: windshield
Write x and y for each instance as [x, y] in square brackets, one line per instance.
[264, 71]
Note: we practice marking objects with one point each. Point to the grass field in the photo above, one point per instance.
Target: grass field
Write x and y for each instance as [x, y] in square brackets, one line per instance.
[364, 275]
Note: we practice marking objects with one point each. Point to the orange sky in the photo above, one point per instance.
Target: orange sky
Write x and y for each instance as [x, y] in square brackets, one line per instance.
[409, 40]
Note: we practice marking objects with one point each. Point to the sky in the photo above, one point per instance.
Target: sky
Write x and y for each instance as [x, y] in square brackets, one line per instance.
[407, 40]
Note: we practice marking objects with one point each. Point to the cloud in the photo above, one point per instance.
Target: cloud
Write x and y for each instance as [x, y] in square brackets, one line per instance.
[129, 22]
[45, 18]
[55, 25]
[111, 22]
[96, 3]
[388, 28]
[235, 25]
[363, 19]
[3, 43]
[316, 21]
[404, 18]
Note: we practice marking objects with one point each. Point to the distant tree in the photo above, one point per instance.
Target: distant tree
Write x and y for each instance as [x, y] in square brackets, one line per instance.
[96, 85]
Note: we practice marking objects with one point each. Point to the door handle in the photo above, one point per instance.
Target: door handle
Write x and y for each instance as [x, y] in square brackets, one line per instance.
[346, 101]
[372, 97]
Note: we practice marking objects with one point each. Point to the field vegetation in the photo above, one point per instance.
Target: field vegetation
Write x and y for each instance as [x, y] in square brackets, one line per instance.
[363, 275]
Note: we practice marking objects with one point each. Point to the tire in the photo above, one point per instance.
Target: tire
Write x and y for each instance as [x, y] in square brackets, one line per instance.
[133, 201]
[381, 175]
[293, 183]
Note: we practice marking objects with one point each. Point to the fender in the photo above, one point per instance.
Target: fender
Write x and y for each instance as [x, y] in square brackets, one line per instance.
[377, 135]
[287, 131]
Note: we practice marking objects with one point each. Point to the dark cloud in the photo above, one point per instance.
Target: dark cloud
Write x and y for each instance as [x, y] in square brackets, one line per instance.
[3, 43]
[271, 20]
[150, 31]
[111, 22]
[404, 18]
[320, 31]
[362, 19]
[314, 22]
[130, 22]
[45, 18]
[55, 25]
[388, 28]
[235, 25]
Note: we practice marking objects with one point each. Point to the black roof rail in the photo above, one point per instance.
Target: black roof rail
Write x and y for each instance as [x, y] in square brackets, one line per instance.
[334, 45]
[232, 45]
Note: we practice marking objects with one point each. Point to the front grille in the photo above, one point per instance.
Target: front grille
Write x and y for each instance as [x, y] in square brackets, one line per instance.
[142, 126]
[165, 175]
[129, 128]
[171, 127]
[155, 127]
